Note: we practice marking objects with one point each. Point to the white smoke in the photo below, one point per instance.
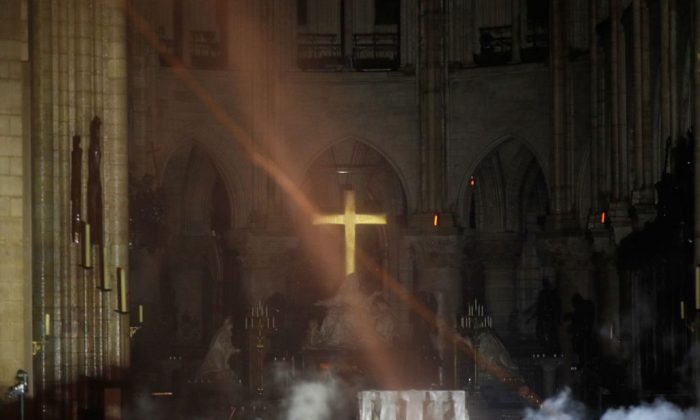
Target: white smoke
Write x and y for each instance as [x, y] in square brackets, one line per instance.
[319, 400]
[659, 410]
[563, 407]
[560, 407]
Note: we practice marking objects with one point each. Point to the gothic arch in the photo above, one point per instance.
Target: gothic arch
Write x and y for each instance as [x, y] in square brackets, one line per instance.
[505, 174]
[307, 166]
[350, 161]
[216, 154]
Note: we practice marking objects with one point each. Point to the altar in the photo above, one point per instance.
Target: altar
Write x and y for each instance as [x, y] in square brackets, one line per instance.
[412, 405]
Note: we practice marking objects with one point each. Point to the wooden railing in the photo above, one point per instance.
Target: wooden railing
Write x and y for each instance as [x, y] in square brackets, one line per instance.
[319, 51]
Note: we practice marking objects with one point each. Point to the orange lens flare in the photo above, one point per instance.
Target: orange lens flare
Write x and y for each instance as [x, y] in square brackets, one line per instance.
[379, 358]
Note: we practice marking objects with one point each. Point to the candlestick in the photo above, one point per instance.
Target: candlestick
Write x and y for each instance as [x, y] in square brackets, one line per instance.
[121, 283]
[87, 248]
[140, 314]
[47, 325]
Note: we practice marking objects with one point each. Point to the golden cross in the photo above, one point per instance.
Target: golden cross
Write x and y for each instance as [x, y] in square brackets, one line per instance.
[350, 218]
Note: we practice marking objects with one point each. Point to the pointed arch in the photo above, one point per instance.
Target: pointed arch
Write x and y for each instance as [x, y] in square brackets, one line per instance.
[505, 174]
[223, 159]
[407, 193]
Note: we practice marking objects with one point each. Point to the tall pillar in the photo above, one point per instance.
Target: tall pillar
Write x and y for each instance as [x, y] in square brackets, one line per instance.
[266, 260]
[432, 93]
[595, 162]
[264, 66]
[437, 260]
[515, 22]
[500, 254]
[696, 159]
[638, 88]
[15, 198]
[558, 154]
[78, 64]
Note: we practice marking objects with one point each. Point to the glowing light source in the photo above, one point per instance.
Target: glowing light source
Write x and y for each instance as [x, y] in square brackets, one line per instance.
[472, 181]
[603, 216]
[436, 219]
[350, 218]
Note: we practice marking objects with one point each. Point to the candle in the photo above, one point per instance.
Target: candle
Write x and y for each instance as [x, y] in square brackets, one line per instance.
[140, 314]
[682, 310]
[87, 248]
[121, 278]
[47, 325]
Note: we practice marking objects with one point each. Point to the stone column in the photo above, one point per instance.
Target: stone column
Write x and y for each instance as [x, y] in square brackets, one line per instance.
[595, 162]
[499, 254]
[437, 260]
[696, 157]
[432, 93]
[515, 22]
[15, 197]
[558, 153]
[266, 261]
[638, 87]
[78, 59]
[264, 65]
[574, 271]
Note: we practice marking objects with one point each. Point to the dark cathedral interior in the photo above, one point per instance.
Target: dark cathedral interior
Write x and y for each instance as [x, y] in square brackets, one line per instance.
[349, 209]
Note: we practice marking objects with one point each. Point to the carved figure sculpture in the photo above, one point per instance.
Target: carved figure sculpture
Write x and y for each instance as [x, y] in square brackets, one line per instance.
[215, 364]
[76, 173]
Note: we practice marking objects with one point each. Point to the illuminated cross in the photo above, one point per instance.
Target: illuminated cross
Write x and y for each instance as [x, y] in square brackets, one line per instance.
[350, 218]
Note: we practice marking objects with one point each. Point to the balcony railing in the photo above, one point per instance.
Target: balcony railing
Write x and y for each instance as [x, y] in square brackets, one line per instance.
[375, 51]
[496, 46]
[206, 50]
[319, 52]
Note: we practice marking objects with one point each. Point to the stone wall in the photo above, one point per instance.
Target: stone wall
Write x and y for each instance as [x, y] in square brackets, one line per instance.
[15, 296]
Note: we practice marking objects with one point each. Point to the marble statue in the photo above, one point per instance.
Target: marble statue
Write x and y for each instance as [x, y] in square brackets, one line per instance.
[215, 365]
[346, 312]
[493, 352]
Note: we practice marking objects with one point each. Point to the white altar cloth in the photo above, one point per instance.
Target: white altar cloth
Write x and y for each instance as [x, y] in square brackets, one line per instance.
[412, 405]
